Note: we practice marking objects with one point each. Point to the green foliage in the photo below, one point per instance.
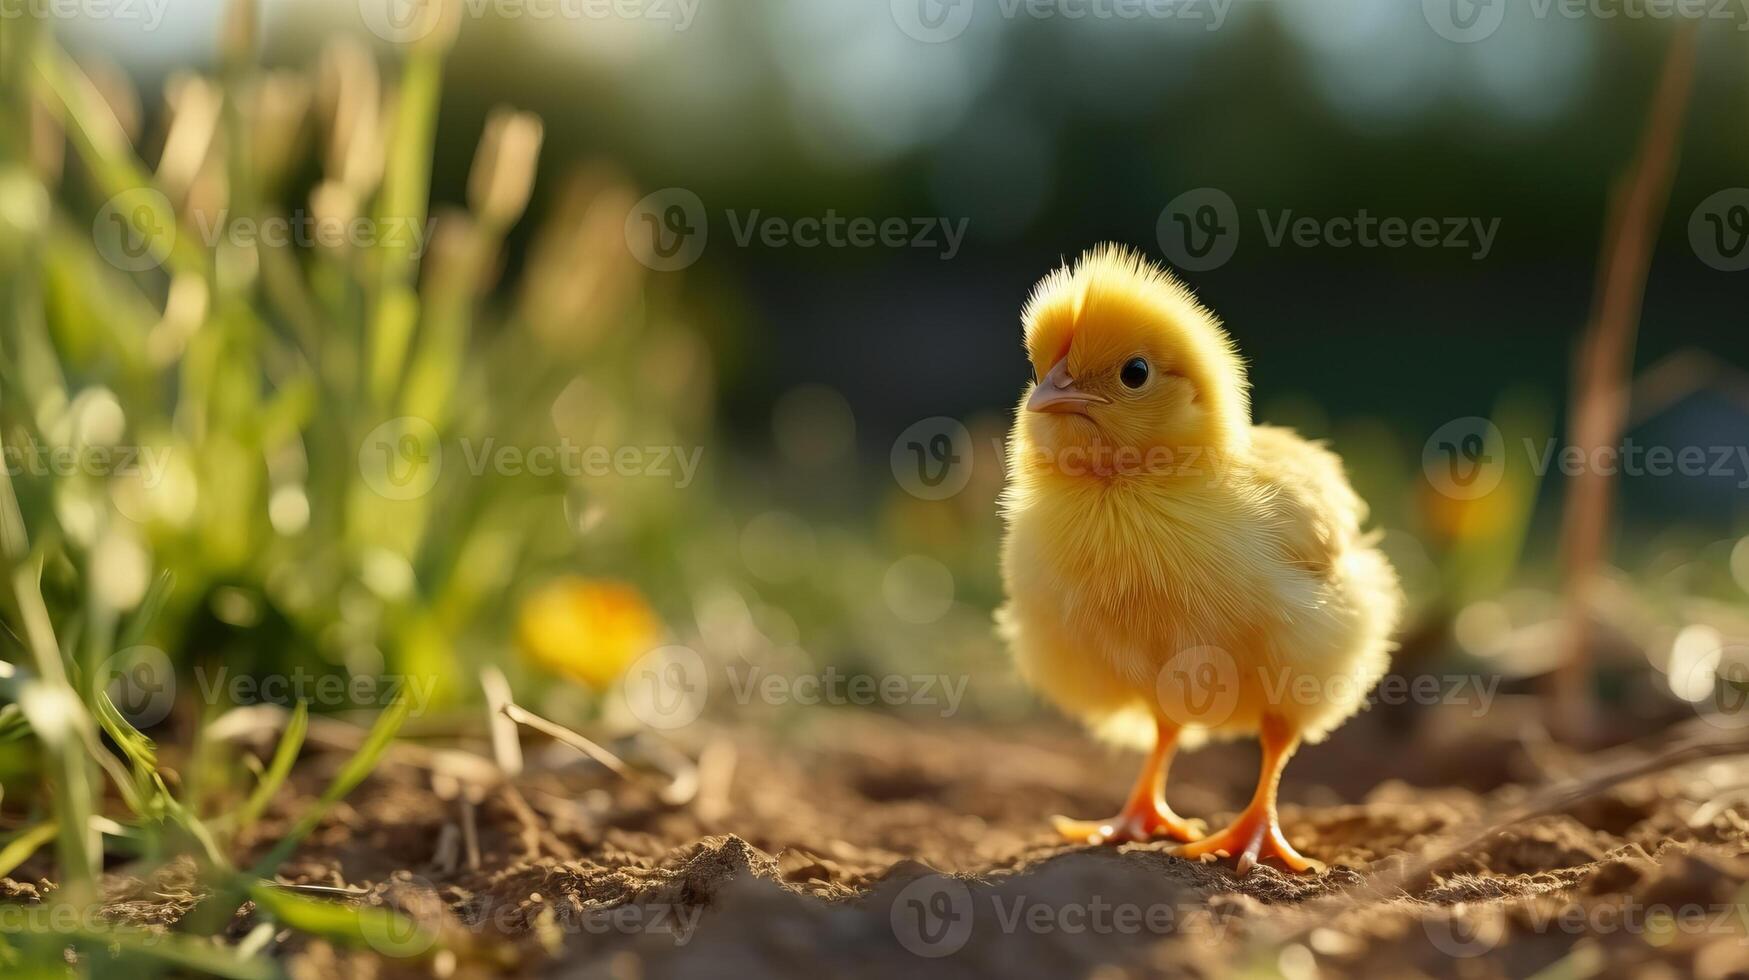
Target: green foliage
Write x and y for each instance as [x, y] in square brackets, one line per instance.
[359, 766]
[278, 770]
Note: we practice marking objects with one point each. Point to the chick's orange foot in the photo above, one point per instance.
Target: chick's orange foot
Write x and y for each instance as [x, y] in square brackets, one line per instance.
[1145, 814]
[1254, 837]
[1151, 821]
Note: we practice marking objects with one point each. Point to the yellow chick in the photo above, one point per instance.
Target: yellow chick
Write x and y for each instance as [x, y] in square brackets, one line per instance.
[1173, 571]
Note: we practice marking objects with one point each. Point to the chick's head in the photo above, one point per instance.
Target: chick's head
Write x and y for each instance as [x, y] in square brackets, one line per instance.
[1125, 359]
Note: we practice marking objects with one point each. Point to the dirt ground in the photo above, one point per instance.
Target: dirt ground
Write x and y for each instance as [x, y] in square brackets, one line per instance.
[863, 846]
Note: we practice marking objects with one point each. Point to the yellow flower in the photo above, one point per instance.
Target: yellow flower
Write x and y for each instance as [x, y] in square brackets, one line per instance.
[589, 630]
[1487, 516]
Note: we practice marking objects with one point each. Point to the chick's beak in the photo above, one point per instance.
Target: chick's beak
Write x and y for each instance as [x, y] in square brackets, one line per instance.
[1056, 392]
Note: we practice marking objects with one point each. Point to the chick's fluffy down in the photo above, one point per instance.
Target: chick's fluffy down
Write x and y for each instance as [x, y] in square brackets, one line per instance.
[1216, 600]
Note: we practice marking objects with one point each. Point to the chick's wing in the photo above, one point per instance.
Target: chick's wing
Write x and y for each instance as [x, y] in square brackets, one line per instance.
[1318, 514]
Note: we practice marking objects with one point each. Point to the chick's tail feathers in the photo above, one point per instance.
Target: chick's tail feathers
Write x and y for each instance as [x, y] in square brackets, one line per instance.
[1374, 603]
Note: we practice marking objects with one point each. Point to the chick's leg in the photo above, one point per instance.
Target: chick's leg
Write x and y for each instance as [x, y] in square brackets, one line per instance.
[1256, 834]
[1146, 815]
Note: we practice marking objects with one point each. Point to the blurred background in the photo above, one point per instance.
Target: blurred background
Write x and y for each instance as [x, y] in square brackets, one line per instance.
[595, 275]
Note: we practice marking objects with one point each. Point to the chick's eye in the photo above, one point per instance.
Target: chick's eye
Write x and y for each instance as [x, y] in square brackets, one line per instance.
[1134, 373]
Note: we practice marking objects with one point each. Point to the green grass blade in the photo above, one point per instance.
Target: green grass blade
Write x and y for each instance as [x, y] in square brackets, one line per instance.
[119, 952]
[277, 771]
[147, 612]
[103, 145]
[382, 929]
[356, 769]
[134, 744]
[12, 724]
[25, 843]
[402, 208]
